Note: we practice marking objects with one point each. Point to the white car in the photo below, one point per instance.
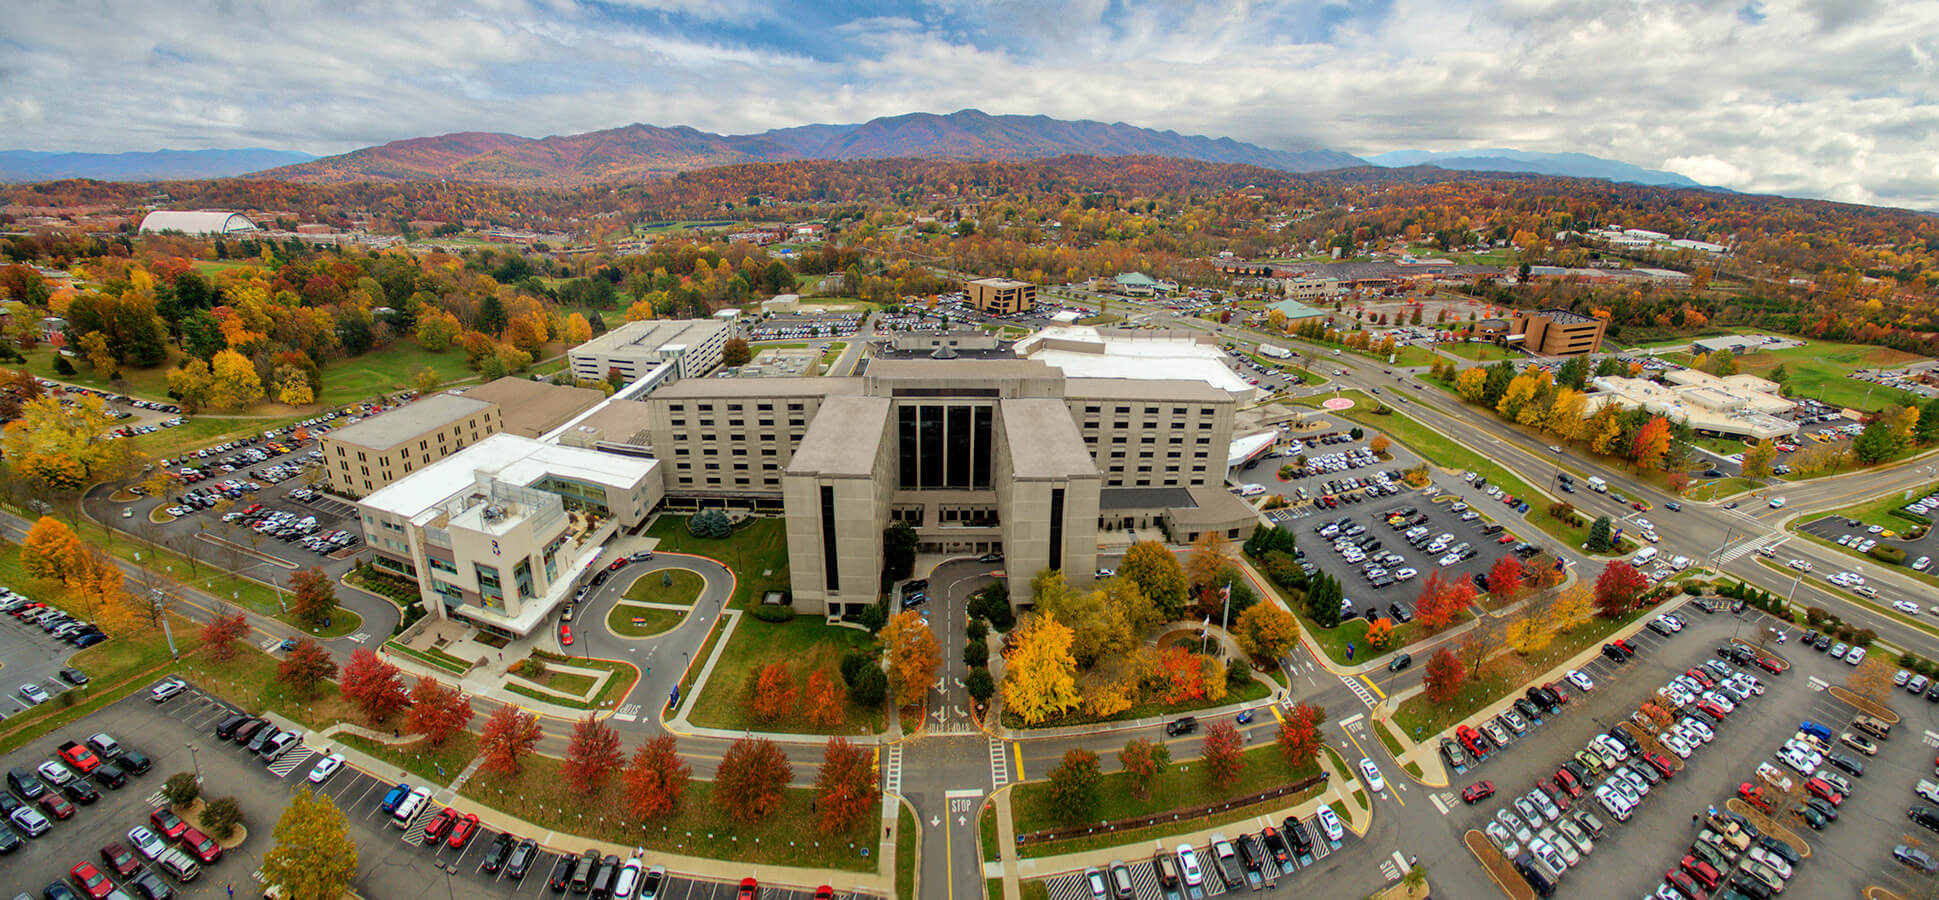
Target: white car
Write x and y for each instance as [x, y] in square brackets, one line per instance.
[1800, 565]
[166, 688]
[1372, 774]
[1777, 502]
[1906, 606]
[1614, 803]
[1676, 745]
[1503, 841]
[55, 774]
[34, 694]
[1703, 731]
[1724, 703]
[1188, 862]
[1854, 656]
[1330, 823]
[1450, 559]
[1405, 574]
[326, 768]
[1580, 680]
[145, 842]
[1670, 623]
[1555, 841]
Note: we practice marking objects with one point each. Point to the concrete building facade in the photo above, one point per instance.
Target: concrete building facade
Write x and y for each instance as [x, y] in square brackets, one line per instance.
[1557, 332]
[1001, 296]
[692, 347]
[369, 455]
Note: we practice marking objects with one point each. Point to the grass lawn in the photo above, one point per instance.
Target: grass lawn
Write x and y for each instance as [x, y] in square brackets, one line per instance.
[203, 430]
[1878, 511]
[1180, 786]
[805, 645]
[1251, 690]
[631, 621]
[622, 680]
[1820, 370]
[393, 368]
[148, 383]
[1724, 446]
[1421, 718]
[1387, 738]
[986, 833]
[1711, 489]
[439, 764]
[757, 552]
[1480, 352]
[906, 832]
[789, 837]
[652, 587]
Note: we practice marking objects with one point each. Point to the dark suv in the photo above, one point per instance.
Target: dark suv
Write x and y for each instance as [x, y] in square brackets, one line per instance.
[1176, 727]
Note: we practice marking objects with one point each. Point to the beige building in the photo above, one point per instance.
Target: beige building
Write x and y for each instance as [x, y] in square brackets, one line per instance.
[531, 408]
[1001, 296]
[1738, 406]
[1556, 332]
[664, 349]
[370, 454]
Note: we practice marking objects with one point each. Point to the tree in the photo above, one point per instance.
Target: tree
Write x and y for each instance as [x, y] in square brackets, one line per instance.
[578, 330]
[592, 755]
[1107, 621]
[1445, 674]
[1876, 443]
[50, 551]
[899, 543]
[233, 382]
[1158, 575]
[57, 448]
[1505, 578]
[314, 857]
[1600, 532]
[914, 656]
[655, 779]
[1572, 609]
[1651, 444]
[845, 790]
[491, 318]
[1266, 631]
[1299, 736]
[509, 735]
[437, 712]
[375, 687]
[191, 383]
[1378, 446]
[1471, 384]
[1380, 633]
[750, 779]
[221, 816]
[825, 701]
[1529, 634]
[1758, 459]
[772, 695]
[1223, 754]
[1039, 675]
[1211, 553]
[182, 788]
[1075, 785]
[314, 596]
[1618, 588]
[735, 353]
[305, 667]
[1144, 761]
[221, 633]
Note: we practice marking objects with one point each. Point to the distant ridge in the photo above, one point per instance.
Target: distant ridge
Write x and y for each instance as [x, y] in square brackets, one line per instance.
[636, 151]
[157, 165]
[1573, 165]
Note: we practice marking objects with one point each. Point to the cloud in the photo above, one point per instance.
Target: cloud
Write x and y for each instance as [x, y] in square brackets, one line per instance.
[1828, 98]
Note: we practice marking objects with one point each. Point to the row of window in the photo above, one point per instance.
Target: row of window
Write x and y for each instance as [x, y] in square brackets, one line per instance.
[708, 406]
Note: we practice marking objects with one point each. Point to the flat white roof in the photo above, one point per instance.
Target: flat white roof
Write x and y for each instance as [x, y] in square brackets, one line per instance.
[1128, 356]
[1243, 448]
[510, 458]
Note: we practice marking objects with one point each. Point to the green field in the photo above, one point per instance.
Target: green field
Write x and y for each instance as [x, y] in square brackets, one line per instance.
[1820, 369]
[1481, 352]
[627, 620]
[653, 587]
[379, 371]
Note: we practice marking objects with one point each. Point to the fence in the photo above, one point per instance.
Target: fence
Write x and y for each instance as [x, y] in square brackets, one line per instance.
[1176, 815]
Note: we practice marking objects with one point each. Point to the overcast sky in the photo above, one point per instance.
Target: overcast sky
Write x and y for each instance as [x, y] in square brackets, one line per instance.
[1822, 98]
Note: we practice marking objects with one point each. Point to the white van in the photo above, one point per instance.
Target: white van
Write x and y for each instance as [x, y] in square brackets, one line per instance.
[1598, 485]
[1251, 490]
[407, 808]
[1643, 557]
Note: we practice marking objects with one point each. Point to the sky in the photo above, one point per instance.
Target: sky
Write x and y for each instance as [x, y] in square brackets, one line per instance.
[1837, 99]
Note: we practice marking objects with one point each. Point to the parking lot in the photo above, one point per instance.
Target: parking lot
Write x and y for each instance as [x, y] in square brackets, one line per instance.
[29, 655]
[1632, 857]
[392, 861]
[1270, 874]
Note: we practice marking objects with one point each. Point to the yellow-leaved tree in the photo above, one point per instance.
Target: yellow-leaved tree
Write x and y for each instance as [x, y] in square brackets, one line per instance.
[50, 552]
[1039, 674]
[234, 383]
[57, 448]
[578, 330]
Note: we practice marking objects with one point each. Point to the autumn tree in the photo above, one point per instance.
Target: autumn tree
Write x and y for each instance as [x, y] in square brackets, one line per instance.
[1652, 443]
[375, 687]
[221, 633]
[1075, 785]
[437, 712]
[1618, 588]
[1572, 609]
[752, 774]
[233, 382]
[314, 857]
[1223, 754]
[1758, 459]
[735, 353]
[826, 701]
[1529, 634]
[914, 656]
[509, 735]
[1505, 578]
[655, 779]
[1445, 675]
[50, 551]
[1299, 736]
[772, 694]
[305, 668]
[1144, 761]
[1158, 575]
[1380, 633]
[313, 596]
[1211, 553]
[1039, 674]
[577, 329]
[1378, 446]
[427, 380]
[1266, 631]
[592, 755]
[845, 788]
[57, 448]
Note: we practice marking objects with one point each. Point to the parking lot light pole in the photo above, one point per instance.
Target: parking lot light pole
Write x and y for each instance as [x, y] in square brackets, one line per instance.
[196, 758]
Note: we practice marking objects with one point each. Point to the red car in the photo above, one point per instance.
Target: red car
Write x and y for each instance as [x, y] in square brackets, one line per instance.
[1477, 792]
[1702, 677]
[56, 805]
[1561, 693]
[90, 880]
[1823, 790]
[1661, 764]
[617, 565]
[169, 824]
[565, 635]
[201, 846]
[749, 889]
[824, 893]
[1772, 664]
[1561, 797]
[1702, 871]
[120, 859]
[1505, 539]
[1711, 708]
[1685, 884]
[462, 832]
[440, 825]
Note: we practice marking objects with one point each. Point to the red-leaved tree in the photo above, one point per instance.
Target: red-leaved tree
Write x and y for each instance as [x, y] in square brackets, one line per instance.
[748, 783]
[773, 693]
[1223, 753]
[1444, 676]
[437, 712]
[591, 755]
[845, 791]
[1505, 578]
[826, 700]
[509, 736]
[374, 686]
[1299, 736]
[306, 667]
[1618, 588]
[222, 632]
[656, 779]
[1143, 760]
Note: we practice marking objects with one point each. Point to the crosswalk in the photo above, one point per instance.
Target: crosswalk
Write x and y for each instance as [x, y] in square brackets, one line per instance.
[1443, 801]
[292, 760]
[1742, 548]
[1930, 739]
[893, 771]
[360, 637]
[1359, 690]
[999, 763]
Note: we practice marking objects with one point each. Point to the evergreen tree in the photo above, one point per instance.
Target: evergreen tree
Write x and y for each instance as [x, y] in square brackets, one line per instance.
[1599, 535]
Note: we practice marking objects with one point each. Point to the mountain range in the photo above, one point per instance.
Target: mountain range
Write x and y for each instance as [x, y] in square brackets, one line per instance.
[1573, 165]
[638, 150]
[38, 165]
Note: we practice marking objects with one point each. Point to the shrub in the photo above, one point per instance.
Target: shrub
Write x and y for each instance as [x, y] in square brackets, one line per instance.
[980, 684]
[1888, 553]
[773, 612]
[1693, 589]
[977, 629]
[1863, 637]
[1907, 661]
[874, 617]
[976, 653]
[871, 687]
[709, 523]
[992, 604]
[181, 789]
[1237, 673]
[853, 662]
[221, 816]
[1815, 615]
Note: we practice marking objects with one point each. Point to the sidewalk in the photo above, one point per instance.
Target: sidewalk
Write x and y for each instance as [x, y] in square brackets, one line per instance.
[881, 882]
